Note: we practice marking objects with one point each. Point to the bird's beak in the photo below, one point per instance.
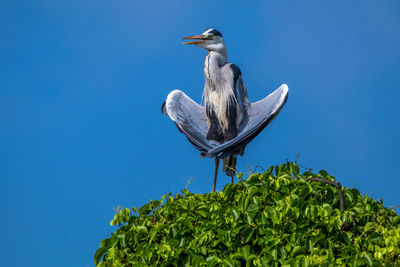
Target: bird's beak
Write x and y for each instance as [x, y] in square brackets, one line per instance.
[202, 38]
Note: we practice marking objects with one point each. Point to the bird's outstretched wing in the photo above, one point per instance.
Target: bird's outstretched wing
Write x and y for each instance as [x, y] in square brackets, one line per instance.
[189, 118]
[260, 114]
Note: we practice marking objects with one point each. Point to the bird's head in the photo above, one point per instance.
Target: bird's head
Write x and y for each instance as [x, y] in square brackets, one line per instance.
[210, 40]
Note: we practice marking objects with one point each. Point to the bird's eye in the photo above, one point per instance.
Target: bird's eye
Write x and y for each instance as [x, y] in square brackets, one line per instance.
[211, 36]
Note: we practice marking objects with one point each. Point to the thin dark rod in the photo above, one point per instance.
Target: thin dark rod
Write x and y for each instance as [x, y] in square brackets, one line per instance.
[234, 169]
[216, 172]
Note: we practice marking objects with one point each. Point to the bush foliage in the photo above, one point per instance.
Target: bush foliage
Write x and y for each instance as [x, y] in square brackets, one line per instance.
[274, 218]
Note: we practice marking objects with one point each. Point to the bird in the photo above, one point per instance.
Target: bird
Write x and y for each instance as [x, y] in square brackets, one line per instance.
[227, 121]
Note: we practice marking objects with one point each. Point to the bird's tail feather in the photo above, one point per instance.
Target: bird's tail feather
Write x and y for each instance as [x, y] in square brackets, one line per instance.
[229, 165]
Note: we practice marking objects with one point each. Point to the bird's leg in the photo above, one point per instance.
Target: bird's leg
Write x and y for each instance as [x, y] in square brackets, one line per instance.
[215, 173]
[234, 169]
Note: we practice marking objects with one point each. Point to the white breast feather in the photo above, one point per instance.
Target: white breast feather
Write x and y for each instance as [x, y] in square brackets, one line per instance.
[218, 97]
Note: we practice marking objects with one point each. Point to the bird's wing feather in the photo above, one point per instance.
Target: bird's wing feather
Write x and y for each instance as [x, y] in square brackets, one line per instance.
[239, 87]
[260, 114]
[189, 118]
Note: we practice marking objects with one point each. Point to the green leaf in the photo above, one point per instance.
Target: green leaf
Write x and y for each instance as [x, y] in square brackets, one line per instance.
[247, 234]
[99, 254]
[105, 243]
[141, 229]
[230, 262]
[155, 230]
[347, 237]
[145, 209]
[235, 213]
[349, 195]
[275, 218]
[296, 251]
[252, 208]
[396, 220]
[368, 258]
[324, 173]
[274, 254]
[305, 262]
[213, 260]
[237, 256]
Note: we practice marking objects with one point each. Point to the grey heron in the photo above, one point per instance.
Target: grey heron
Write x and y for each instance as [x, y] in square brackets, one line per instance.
[228, 121]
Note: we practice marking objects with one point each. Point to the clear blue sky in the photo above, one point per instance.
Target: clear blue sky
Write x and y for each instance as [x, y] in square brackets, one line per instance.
[81, 84]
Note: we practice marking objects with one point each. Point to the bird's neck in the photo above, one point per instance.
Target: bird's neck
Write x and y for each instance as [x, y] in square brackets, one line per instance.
[212, 69]
[217, 58]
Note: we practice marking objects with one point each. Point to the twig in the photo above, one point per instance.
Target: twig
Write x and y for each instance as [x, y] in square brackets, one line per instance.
[255, 168]
[307, 169]
[335, 184]
[297, 158]
[258, 166]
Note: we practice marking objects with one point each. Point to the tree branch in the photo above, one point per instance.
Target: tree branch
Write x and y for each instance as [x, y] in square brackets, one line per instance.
[335, 184]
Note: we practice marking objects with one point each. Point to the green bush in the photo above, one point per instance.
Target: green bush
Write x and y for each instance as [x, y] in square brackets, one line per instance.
[266, 220]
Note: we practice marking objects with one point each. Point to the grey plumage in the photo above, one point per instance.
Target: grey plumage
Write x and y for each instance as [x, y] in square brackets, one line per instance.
[228, 121]
[190, 120]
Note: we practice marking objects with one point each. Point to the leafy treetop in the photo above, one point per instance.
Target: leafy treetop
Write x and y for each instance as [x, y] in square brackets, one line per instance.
[274, 218]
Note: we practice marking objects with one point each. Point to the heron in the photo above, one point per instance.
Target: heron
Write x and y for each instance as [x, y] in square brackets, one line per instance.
[227, 121]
